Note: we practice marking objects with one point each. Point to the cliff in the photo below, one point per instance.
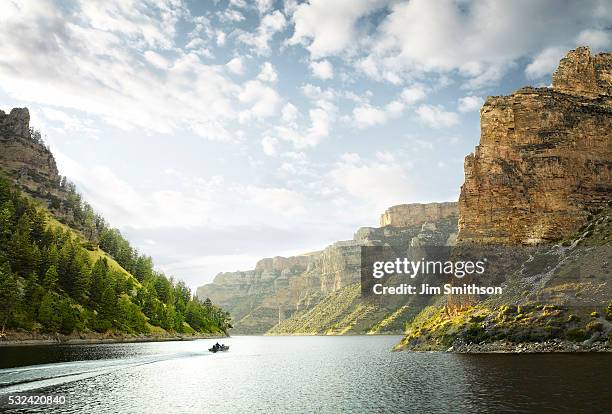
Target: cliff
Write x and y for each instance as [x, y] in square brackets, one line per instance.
[541, 174]
[295, 295]
[543, 164]
[404, 215]
[23, 156]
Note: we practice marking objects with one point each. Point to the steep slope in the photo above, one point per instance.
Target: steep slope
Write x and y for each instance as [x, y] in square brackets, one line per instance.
[542, 173]
[319, 293]
[64, 270]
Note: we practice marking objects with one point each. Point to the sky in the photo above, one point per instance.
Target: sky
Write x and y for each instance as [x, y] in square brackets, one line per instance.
[216, 133]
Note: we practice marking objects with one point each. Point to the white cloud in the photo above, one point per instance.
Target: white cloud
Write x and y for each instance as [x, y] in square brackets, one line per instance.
[156, 59]
[289, 113]
[436, 116]
[375, 183]
[545, 62]
[469, 103]
[269, 25]
[413, 94]
[268, 145]
[367, 115]
[231, 15]
[322, 69]
[419, 37]
[263, 5]
[263, 100]
[596, 39]
[321, 119]
[328, 27]
[68, 122]
[267, 74]
[96, 48]
[236, 65]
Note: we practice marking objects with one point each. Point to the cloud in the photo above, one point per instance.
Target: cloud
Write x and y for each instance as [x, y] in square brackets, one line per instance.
[413, 94]
[436, 116]
[322, 69]
[545, 62]
[321, 119]
[289, 113]
[62, 52]
[367, 115]
[328, 28]
[263, 100]
[269, 25]
[268, 145]
[236, 66]
[469, 103]
[420, 37]
[377, 183]
[267, 74]
[156, 59]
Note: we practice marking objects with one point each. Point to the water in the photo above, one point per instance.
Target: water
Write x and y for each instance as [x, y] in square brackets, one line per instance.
[303, 374]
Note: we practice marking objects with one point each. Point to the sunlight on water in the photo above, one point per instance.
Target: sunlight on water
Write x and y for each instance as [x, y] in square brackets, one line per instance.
[302, 374]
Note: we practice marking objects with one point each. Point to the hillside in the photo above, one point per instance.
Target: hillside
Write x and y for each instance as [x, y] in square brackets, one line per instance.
[63, 269]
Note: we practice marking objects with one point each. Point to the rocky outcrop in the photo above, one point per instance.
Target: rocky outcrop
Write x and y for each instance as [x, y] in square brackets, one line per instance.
[405, 215]
[280, 291]
[544, 161]
[24, 156]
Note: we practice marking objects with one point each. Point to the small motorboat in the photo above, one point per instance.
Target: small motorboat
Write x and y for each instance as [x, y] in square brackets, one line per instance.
[220, 348]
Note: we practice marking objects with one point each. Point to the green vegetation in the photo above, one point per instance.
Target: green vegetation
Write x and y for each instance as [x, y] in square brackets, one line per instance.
[56, 279]
[436, 329]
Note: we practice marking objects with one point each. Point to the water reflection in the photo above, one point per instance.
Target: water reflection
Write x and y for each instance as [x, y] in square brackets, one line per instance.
[306, 374]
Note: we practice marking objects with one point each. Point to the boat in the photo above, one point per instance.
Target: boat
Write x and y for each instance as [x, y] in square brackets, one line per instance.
[221, 348]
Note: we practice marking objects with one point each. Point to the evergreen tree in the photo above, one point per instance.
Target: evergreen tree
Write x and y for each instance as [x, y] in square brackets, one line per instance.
[9, 296]
[51, 277]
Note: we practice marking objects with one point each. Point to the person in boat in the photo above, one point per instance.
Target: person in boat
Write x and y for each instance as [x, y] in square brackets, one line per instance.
[216, 346]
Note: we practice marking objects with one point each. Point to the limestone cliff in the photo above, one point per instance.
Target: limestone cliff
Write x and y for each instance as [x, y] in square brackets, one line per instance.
[288, 295]
[543, 164]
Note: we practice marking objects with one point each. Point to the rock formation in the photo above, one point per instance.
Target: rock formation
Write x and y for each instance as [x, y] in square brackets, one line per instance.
[279, 289]
[543, 164]
[405, 215]
[24, 157]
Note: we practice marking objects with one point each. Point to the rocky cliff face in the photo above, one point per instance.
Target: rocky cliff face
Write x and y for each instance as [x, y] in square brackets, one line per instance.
[543, 164]
[23, 155]
[404, 215]
[282, 289]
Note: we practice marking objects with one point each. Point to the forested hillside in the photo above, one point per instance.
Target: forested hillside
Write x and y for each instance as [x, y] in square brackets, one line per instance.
[68, 271]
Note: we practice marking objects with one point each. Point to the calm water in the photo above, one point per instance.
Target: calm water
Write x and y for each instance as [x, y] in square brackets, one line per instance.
[303, 374]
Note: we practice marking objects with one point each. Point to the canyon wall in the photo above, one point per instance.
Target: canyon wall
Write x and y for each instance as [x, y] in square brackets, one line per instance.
[413, 214]
[543, 164]
[283, 288]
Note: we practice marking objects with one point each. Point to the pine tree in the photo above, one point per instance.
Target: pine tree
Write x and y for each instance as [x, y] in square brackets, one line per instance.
[9, 296]
[51, 278]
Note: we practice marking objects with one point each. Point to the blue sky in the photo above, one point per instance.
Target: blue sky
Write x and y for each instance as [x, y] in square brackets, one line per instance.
[216, 133]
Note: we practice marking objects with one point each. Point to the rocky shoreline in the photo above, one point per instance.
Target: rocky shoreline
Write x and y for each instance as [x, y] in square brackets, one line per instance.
[551, 346]
[23, 339]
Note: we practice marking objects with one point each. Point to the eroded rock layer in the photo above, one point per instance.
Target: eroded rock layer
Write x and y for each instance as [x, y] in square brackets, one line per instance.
[543, 164]
[280, 291]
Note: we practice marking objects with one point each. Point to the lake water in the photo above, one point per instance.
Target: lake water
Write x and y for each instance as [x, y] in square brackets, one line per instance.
[302, 374]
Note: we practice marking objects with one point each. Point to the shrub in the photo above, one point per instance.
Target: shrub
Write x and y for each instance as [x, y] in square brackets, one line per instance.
[594, 326]
[576, 335]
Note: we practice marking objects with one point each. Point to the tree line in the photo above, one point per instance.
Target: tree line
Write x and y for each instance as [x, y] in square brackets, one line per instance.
[50, 282]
